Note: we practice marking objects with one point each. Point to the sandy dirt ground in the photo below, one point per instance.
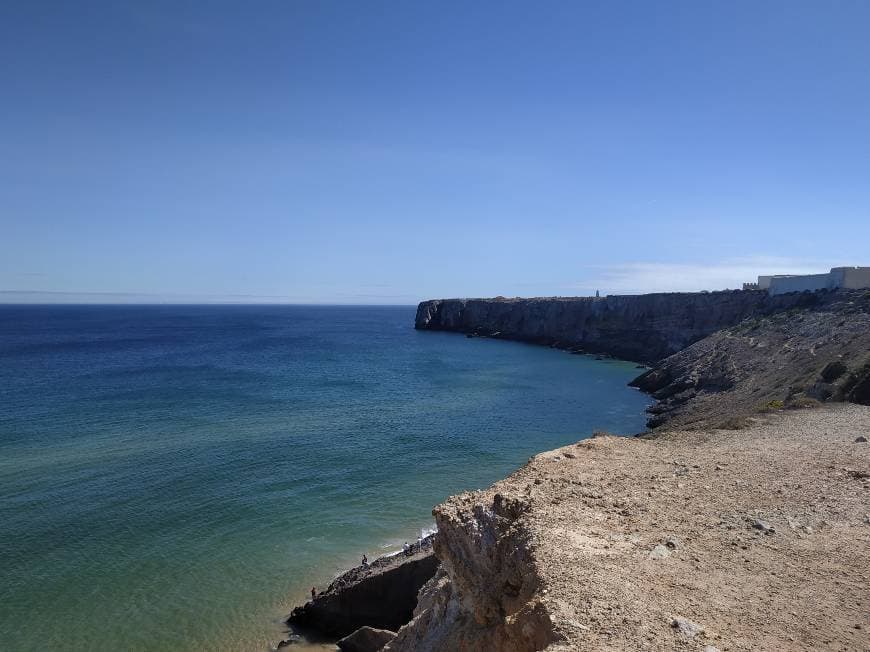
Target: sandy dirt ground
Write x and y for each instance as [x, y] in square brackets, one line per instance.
[754, 539]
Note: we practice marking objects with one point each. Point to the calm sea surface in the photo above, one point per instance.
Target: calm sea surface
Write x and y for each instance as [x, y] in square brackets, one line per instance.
[176, 478]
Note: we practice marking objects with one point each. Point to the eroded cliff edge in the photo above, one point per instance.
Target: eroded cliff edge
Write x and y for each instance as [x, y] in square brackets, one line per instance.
[757, 539]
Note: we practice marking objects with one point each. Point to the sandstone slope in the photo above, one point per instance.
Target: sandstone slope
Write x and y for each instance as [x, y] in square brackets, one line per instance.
[757, 539]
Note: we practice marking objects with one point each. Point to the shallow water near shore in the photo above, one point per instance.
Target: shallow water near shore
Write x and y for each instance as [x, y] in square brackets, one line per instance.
[177, 477]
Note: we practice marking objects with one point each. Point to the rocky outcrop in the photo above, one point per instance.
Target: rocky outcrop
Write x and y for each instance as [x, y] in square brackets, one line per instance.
[643, 328]
[381, 595]
[487, 594]
[794, 358]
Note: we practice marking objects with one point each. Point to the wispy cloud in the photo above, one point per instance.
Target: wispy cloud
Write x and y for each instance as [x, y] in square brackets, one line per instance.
[640, 277]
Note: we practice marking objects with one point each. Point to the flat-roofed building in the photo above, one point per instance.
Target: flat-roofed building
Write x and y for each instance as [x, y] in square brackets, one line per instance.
[853, 278]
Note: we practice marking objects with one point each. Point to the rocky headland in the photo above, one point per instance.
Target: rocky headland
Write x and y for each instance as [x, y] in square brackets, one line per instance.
[644, 328]
[715, 357]
[740, 522]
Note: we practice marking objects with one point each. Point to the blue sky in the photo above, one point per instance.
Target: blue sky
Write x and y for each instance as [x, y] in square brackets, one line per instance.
[387, 152]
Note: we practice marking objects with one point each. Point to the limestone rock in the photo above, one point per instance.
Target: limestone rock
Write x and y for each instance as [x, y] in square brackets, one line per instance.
[763, 526]
[686, 627]
[488, 594]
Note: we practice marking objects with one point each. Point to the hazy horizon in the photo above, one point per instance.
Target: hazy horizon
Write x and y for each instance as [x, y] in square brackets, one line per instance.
[328, 153]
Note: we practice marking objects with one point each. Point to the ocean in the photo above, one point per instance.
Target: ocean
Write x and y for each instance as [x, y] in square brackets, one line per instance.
[178, 477]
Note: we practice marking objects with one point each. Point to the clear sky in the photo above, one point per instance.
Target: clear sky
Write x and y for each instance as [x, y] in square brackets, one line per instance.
[387, 152]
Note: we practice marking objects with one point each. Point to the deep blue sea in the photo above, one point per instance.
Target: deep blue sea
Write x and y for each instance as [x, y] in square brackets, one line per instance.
[177, 477]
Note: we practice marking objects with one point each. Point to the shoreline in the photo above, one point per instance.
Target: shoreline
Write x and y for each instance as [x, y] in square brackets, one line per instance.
[311, 638]
[689, 390]
[693, 476]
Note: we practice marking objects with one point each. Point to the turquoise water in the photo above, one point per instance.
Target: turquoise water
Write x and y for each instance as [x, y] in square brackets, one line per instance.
[176, 478]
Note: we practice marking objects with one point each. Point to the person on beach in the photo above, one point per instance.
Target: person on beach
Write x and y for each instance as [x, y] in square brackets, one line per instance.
[406, 548]
[365, 560]
[313, 593]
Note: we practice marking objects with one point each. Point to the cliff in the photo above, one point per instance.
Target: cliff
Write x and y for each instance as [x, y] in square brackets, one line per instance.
[487, 594]
[643, 328]
[714, 539]
[715, 356]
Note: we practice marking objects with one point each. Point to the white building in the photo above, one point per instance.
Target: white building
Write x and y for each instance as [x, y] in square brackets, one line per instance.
[853, 278]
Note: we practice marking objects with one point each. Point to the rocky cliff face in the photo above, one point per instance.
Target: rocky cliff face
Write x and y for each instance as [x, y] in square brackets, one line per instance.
[643, 328]
[487, 594]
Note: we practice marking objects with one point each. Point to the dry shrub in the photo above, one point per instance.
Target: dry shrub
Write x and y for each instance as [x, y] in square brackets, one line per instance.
[771, 406]
[803, 402]
[735, 423]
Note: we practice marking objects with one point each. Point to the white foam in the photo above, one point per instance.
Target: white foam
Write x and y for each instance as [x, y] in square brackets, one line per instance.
[426, 531]
[394, 547]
